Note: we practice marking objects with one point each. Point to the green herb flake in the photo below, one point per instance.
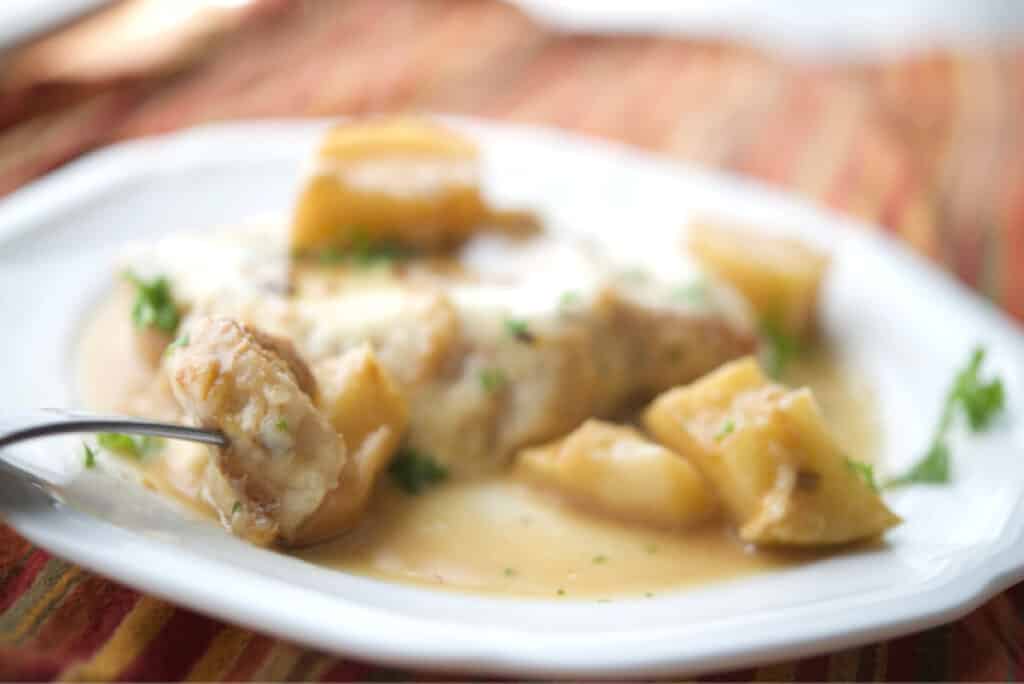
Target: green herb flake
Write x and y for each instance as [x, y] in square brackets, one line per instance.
[692, 293]
[778, 348]
[126, 445]
[648, 594]
[149, 445]
[414, 472]
[364, 252]
[980, 400]
[117, 443]
[519, 330]
[281, 425]
[635, 275]
[568, 300]
[236, 509]
[864, 471]
[492, 379]
[560, 592]
[600, 559]
[933, 468]
[651, 549]
[154, 304]
[90, 456]
[510, 572]
[331, 256]
[728, 427]
[177, 343]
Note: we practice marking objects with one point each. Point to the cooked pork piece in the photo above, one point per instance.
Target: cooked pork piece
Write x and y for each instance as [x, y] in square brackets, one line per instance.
[284, 456]
[496, 385]
[526, 342]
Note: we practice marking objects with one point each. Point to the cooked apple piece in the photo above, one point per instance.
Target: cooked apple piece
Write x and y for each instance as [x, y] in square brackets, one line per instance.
[780, 277]
[771, 457]
[363, 404]
[615, 470]
[406, 182]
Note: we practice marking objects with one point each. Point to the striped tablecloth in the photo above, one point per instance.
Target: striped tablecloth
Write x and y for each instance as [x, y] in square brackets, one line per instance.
[930, 149]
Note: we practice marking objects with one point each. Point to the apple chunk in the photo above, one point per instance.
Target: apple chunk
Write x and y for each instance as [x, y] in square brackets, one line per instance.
[616, 470]
[771, 457]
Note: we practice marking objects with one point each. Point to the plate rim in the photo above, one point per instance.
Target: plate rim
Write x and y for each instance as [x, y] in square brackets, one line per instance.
[103, 169]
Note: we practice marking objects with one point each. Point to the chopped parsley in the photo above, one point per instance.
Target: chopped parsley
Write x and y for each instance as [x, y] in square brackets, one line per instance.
[568, 300]
[600, 559]
[177, 343]
[693, 293]
[728, 427]
[778, 348]
[864, 471]
[519, 330]
[331, 255]
[236, 509]
[510, 572]
[90, 456]
[492, 379]
[126, 445]
[368, 253]
[651, 548]
[635, 275]
[365, 252]
[281, 425]
[560, 592]
[980, 400]
[154, 304]
[414, 471]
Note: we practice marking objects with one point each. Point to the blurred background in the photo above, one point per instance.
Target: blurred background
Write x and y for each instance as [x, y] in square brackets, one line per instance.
[903, 113]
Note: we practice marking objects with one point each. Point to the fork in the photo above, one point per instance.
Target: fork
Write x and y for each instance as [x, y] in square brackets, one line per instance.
[50, 422]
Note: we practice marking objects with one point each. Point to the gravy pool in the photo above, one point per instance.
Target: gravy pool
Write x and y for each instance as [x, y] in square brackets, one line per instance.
[495, 535]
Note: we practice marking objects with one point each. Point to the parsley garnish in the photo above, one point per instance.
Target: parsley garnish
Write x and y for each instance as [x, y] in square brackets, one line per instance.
[281, 424]
[651, 548]
[154, 305]
[865, 471]
[519, 330]
[981, 402]
[126, 445]
[727, 429]
[365, 252]
[414, 471]
[693, 293]
[236, 509]
[510, 572]
[600, 559]
[90, 456]
[561, 592]
[568, 300]
[635, 275]
[492, 379]
[777, 349]
[177, 343]
[331, 255]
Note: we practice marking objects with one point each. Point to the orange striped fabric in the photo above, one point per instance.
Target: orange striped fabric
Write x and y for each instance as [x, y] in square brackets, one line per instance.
[929, 148]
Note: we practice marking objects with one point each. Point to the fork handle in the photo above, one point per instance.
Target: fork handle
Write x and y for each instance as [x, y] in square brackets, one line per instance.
[49, 422]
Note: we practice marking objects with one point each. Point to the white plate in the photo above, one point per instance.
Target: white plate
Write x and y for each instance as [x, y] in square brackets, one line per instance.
[904, 324]
[24, 19]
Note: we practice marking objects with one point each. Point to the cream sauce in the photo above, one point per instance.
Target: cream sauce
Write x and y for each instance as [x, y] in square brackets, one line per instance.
[493, 535]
